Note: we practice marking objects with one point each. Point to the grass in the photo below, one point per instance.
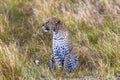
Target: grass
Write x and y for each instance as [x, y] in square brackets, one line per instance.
[95, 31]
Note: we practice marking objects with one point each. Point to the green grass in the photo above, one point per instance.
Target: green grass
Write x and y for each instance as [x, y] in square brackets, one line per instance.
[94, 29]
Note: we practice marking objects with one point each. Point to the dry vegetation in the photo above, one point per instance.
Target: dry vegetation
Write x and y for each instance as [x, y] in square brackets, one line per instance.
[95, 30]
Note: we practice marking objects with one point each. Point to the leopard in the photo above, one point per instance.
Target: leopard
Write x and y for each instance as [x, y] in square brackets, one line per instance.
[63, 55]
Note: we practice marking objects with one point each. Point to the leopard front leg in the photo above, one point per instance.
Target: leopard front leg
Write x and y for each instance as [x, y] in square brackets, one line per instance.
[51, 64]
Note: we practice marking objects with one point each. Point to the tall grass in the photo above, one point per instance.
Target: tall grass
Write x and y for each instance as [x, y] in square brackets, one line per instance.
[95, 32]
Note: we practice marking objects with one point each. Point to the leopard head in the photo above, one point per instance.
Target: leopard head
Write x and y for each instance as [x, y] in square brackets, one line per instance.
[51, 24]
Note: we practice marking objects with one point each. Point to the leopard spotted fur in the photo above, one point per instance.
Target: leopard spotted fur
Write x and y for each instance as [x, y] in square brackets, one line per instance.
[63, 54]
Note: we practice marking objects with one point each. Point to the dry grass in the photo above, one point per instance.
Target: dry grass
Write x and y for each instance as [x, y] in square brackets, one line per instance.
[95, 30]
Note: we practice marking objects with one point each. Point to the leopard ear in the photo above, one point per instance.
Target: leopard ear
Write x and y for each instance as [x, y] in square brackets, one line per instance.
[57, 22]
[55, 29]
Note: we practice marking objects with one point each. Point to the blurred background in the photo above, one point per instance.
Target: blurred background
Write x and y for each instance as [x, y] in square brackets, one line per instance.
[94, 26]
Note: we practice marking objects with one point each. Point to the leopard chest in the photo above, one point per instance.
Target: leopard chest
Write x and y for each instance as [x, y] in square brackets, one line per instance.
[60, 48]
[61, 44]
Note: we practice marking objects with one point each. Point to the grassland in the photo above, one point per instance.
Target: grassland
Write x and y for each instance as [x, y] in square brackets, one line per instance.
[95, 31]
